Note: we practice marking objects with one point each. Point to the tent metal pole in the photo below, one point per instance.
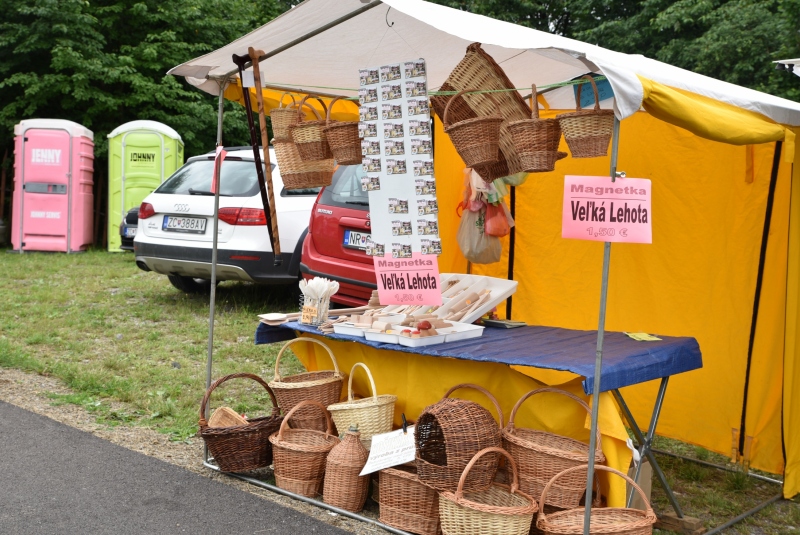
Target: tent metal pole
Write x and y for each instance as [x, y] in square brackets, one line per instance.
[717, 466]
[598, 363]
[742, 516]
[213, 290]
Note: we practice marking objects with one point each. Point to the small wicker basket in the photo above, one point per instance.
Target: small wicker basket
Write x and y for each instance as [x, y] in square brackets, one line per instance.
[309, 136]
[301, 454]
[406, 503]
[449, 433]
[476, 140]
[324, 387]
[605, 521]
[541, 456]
[283, 117]
[536, 140]
[241, 447]
[297, 174]
[343, 139]
[587, 132]
[498, 509]
[371, 415]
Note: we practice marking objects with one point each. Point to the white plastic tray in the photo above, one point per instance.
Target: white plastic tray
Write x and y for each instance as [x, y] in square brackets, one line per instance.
[348, 328]
[381, 337]
[461, 331]
[419, 342]
[500, 290]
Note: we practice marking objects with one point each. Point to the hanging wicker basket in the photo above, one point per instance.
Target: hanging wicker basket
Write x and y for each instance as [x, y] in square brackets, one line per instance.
[372, 415]
[536, 140]
[498, 509]
[242, 447]
[301, 454]
[587, 132]
[309, 136]
[541, 456]
[283, 117]
[477, 140]
[605, 521]
[406, 503]
[343, 139]
[297, 174]
[449, 433]
[324, 387]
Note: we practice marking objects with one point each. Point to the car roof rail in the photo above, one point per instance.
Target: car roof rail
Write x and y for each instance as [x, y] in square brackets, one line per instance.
[244, 147]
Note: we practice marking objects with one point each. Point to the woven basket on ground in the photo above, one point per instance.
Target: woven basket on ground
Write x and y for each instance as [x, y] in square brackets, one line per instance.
[605, 521]
[297, 174]
[372, 415]
[301, 454]
[344, 488]
[283, 117]
[449, 433]
[587, 132]
[477, 140]
[406, 503]
[498, 509]
[309, 136]
[242, 447]
[324, 387]
[541, 455]
[536, 140]
[343, 139]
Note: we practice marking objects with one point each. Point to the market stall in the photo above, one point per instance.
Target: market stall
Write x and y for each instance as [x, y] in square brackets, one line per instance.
[719, 157]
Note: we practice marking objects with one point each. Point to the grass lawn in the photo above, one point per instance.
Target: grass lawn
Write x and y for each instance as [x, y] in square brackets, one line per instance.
[112, 332]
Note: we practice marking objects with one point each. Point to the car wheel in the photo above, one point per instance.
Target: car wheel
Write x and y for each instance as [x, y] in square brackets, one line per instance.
[189, 285]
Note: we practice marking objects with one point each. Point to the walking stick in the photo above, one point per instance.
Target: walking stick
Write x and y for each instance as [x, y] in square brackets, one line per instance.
[262, 121]
[273, 238]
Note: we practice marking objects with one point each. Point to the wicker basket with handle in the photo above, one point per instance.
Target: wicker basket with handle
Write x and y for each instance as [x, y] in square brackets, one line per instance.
[541, 455]
[449, 433]
[476, 140]
[298, 174]
[309, 136]
[587, 132]
[498, 509]
[301, 454]
[406, 503]
[283, 117]
[603, 521]
[324, 387]
[343, 139]
[241, 447]
[536, 140]
[372, 415]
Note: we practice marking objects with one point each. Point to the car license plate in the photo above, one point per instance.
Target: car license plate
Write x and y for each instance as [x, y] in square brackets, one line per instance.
[130, 232]
[356, 240]
[195, 225]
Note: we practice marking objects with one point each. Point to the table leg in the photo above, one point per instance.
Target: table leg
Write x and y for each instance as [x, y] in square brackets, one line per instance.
[646, 442]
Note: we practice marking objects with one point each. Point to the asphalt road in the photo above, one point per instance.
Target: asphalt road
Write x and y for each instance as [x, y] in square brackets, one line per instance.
[55, 479]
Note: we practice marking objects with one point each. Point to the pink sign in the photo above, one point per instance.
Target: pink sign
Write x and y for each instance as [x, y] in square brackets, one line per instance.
[408, 281]
[597, 209]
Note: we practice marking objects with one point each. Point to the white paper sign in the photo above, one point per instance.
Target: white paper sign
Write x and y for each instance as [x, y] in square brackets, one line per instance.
[390, 449]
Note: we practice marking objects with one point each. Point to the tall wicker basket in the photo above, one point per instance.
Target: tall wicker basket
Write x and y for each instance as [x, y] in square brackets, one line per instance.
[242, 447]
[587, 132]
[603, 521]
[343, 139]
[309, 136]
[498, 509]
[477, 140]
[536, 140]
[344, 487]
[324, 387]
[449, 433]
[406, 503]
[301, 454]
[541, 456]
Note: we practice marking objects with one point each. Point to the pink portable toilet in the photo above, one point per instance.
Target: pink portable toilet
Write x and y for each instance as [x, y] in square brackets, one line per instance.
[53, 179]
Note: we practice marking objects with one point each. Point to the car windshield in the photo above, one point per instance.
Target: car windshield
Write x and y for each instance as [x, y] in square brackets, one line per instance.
[345, 189]
[239, 179]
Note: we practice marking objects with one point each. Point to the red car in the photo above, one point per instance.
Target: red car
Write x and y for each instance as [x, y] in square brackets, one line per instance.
[337, 236]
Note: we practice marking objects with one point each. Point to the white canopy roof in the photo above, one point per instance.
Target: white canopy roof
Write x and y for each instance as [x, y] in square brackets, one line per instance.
[319, 46]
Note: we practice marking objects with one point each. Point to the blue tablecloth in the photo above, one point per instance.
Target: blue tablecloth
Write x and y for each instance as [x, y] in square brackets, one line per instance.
[625, 361]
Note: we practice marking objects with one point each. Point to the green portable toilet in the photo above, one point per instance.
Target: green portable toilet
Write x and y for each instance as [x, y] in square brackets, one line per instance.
[141, 155]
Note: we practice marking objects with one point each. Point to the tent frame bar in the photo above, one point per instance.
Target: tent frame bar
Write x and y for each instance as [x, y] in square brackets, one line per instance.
[717, 466]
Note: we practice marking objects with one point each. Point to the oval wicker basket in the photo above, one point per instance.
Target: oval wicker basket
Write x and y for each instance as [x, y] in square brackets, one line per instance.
[283, 117]
[476, 140]
[498, 509]
[242, 447]
[324, 387]
[449, 433]
[541, 456]
[297, 174]
[301, 454]
[343, 139]
[587, 132]
[309, 136]
[406, 503]
[605, 521]
[372, 415]
[536, 140]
